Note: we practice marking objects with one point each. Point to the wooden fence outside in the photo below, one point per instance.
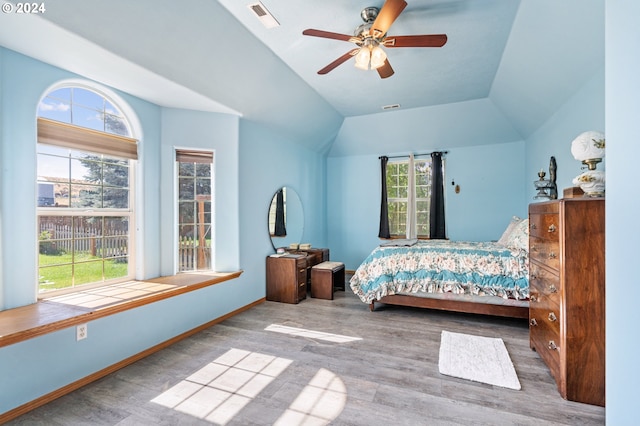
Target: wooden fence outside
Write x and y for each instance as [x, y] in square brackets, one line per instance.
[193, 255]
[86, 239]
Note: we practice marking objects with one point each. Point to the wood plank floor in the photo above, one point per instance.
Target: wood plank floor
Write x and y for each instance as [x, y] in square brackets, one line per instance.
[389, 376]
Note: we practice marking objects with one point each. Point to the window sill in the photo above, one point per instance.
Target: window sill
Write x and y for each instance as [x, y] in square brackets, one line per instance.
[56, 313]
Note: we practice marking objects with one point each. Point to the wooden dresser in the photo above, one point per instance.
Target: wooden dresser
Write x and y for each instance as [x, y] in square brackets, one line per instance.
[567, 294]
[287, 278]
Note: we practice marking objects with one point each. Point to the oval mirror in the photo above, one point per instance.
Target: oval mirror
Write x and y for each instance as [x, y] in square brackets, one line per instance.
[286, 220]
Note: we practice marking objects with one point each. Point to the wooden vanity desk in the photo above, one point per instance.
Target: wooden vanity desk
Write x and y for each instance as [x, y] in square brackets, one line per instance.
[289, 275]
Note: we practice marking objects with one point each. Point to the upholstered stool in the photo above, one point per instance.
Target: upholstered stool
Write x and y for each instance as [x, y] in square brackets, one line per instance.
[325, 278]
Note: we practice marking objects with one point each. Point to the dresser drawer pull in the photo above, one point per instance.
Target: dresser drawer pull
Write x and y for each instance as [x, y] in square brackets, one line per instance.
[533, 322]
[553, 289]
[533, 298]
[303, 270]
[534, 277]
[552, 317]
[552, 255]
[552, 229]
[552, 345]
[533, 226]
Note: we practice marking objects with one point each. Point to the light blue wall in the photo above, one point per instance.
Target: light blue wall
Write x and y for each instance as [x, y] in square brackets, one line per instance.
[209, 131]
[622, 207]
[491, 179]
[251, 162]
[267, 162]
[583, 111]
[2, 148]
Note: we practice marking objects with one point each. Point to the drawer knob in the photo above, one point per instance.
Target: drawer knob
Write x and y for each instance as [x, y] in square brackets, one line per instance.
[553, 289]
[552, 345]
[533, 322]
[552, 255]
[533, 226]
[533, 298]
[552, 317]
[534, 277]
[552, 229]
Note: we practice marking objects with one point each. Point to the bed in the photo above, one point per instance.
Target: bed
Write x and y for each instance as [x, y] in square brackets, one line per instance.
[490, 278]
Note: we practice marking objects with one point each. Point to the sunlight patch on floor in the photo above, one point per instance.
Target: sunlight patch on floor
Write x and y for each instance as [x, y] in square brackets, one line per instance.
[219, 390]
[320, 402]
[329, 337]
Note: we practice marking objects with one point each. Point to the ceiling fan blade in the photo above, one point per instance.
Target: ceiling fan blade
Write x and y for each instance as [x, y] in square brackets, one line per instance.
[385, 70]
[387, 15]
[342, 59]
[326, 34]
[432, 40]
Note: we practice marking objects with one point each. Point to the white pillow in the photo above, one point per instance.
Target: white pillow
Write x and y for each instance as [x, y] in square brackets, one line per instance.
[519, 238]
[504, 239]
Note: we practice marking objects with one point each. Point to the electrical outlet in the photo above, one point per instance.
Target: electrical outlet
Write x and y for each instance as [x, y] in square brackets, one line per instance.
[81, 332]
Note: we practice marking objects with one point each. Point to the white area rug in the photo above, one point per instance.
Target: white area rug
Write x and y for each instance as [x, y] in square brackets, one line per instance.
[481, 359]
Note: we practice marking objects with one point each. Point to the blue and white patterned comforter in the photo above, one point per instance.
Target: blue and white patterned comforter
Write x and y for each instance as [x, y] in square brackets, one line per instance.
[438, 266]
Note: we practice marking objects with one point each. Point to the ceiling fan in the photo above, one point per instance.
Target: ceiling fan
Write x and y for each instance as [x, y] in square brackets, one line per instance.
[373, 34]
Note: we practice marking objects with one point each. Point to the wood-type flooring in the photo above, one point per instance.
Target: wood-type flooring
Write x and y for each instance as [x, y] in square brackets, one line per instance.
[321, 362]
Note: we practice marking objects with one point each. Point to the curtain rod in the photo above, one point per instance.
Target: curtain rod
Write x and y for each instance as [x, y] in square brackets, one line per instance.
[415, 155]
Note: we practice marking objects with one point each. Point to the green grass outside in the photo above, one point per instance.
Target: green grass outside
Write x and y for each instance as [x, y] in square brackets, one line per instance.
[56, 270]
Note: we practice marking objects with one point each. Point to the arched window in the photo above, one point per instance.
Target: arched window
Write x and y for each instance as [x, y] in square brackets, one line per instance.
[86, 155]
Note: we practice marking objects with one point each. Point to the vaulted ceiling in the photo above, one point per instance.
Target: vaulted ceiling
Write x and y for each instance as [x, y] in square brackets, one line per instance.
[511, 63]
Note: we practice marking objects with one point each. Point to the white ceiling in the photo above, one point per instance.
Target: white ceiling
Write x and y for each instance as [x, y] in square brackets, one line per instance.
[525, 58]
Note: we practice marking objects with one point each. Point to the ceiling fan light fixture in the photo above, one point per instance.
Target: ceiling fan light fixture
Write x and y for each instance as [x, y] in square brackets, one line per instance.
[378, 56]
[363, 57]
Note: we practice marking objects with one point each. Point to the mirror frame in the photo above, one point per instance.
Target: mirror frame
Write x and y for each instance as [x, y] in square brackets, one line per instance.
[293, 220]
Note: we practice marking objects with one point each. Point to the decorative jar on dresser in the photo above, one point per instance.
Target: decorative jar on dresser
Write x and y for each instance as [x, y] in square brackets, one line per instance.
[567, 294]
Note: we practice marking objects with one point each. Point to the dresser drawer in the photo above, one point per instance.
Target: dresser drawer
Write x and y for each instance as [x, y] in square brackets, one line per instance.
[301, 268]
[542, 280]
[546, 342]
[547, 317]
[544, 226]
[545, 251]
[544, 208]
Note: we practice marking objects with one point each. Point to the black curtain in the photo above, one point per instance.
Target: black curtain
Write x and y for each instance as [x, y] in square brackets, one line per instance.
[280, 228]
[436, 214]
[384, 207]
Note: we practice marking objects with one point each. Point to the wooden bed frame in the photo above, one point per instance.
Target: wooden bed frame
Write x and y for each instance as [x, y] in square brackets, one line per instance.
[465, 306]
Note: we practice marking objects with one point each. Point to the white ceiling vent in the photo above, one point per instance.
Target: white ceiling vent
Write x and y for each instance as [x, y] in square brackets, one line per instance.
[392, 106]
[263, 14]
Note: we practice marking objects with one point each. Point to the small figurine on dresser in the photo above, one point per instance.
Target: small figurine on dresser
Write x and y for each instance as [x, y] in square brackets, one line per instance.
[553, 189]
[547, 188]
